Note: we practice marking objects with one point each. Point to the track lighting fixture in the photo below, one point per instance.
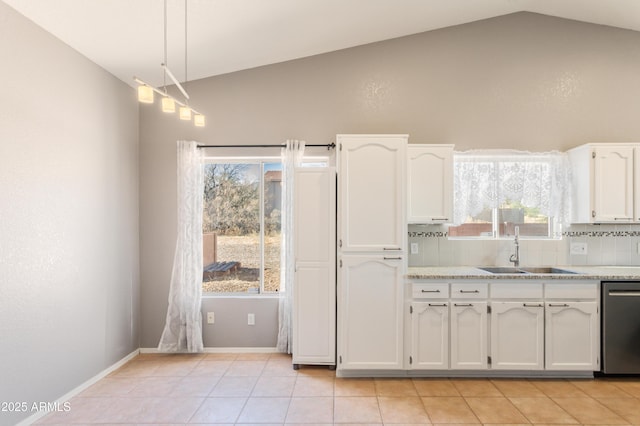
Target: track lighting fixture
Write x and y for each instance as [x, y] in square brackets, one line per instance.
[146, 91]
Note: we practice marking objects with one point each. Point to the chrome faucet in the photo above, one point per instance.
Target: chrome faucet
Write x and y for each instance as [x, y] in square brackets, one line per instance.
[515, 258]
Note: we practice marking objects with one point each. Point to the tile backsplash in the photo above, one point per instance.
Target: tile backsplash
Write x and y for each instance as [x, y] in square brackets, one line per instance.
[606, 245]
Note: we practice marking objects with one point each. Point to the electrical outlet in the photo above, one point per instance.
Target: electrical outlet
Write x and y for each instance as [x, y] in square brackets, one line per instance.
[415, 248]
[578, 248]
[211, 318]
[251, 319]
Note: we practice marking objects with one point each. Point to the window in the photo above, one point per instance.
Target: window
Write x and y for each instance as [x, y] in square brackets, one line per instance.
[241, 226]
[495, 192]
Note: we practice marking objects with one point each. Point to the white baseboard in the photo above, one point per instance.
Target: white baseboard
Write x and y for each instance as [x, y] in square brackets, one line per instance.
[259, 350]
[66, 397]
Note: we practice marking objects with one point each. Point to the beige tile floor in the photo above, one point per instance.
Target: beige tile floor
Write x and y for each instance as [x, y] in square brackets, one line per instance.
[264, 389]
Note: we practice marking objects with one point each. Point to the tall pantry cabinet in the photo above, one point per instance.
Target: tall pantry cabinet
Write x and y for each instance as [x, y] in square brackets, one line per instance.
[371, 250]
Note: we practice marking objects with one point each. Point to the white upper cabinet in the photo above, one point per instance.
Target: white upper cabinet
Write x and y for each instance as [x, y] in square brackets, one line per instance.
[603, 183]
[430, 183]
[371, 193]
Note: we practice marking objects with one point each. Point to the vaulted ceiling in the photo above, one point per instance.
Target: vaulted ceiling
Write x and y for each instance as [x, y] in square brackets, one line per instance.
[126, 37]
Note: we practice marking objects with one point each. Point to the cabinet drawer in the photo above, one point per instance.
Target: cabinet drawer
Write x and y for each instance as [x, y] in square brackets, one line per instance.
[430, 290]
[516, 290]
[569, 290]
[470, 291]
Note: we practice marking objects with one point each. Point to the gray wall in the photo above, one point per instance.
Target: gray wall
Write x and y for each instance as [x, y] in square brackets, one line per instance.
[69, 241]
[522, 81]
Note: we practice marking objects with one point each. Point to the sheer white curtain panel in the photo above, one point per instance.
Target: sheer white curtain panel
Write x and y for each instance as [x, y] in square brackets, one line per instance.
[292, 155]
[485, 179]
[183, 327]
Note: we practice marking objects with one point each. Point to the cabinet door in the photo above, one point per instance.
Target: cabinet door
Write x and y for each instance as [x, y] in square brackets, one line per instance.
[469, 335]
[572, 336]
[430, 183]
[517, 335]
[314, 292]
[370, 313]
[613, 184]
[371, 187]
[430, 335]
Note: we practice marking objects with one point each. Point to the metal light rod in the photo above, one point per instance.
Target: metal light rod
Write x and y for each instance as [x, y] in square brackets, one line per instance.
[175, 80]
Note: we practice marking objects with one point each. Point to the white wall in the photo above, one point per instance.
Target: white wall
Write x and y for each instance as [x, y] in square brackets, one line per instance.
[522, 81]
[69, 241]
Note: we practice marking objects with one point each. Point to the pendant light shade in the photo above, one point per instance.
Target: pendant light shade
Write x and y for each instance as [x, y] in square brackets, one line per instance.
[185, 113]
[168, 105]
[145, 94]
[146, 90]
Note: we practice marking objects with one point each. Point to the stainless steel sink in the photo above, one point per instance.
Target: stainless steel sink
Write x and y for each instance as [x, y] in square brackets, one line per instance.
[547, 270]
[503, 270]
[525, 270]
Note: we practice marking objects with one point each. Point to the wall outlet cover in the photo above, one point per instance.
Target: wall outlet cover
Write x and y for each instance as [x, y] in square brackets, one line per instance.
[251, 319]
[415, 248]
[211, 317]
[578, 248]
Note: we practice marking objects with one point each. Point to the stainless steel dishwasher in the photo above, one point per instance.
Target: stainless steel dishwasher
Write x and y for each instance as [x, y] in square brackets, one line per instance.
[621, 327]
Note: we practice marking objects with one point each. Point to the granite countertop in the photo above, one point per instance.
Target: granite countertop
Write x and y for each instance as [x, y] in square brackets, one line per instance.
[581, 273]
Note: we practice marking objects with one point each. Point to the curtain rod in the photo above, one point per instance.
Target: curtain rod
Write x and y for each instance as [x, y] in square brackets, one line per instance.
[328, 145]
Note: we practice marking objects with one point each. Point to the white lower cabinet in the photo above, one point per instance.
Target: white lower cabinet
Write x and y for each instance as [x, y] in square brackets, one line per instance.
[532, 325]
[370, 312]
[572, 337]
[469, 335]
[517, 335]
[430, 335]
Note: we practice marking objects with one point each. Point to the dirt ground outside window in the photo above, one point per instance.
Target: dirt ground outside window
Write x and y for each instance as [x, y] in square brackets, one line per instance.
[246, 250]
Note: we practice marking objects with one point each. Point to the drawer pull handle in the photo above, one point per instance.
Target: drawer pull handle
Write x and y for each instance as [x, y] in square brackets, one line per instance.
[469, 291]
[430, 291]
[437, 304]
[463, 304]
[391, 249]
[392, 258]
[558, 305]
[533, 305]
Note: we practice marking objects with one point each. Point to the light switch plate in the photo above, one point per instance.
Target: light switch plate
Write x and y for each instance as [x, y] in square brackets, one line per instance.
[211, 318]
[415, 248]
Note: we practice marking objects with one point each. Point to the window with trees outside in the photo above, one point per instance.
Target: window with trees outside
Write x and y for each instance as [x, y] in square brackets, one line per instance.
[241, 226]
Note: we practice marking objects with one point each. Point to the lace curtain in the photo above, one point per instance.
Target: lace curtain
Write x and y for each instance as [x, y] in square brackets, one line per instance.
[183, 328]
[292, 155]
[485, 179]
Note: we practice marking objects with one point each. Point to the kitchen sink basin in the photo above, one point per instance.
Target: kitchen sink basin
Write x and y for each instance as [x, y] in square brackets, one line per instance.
[503, 270]
[547, 270]
[526, 270]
